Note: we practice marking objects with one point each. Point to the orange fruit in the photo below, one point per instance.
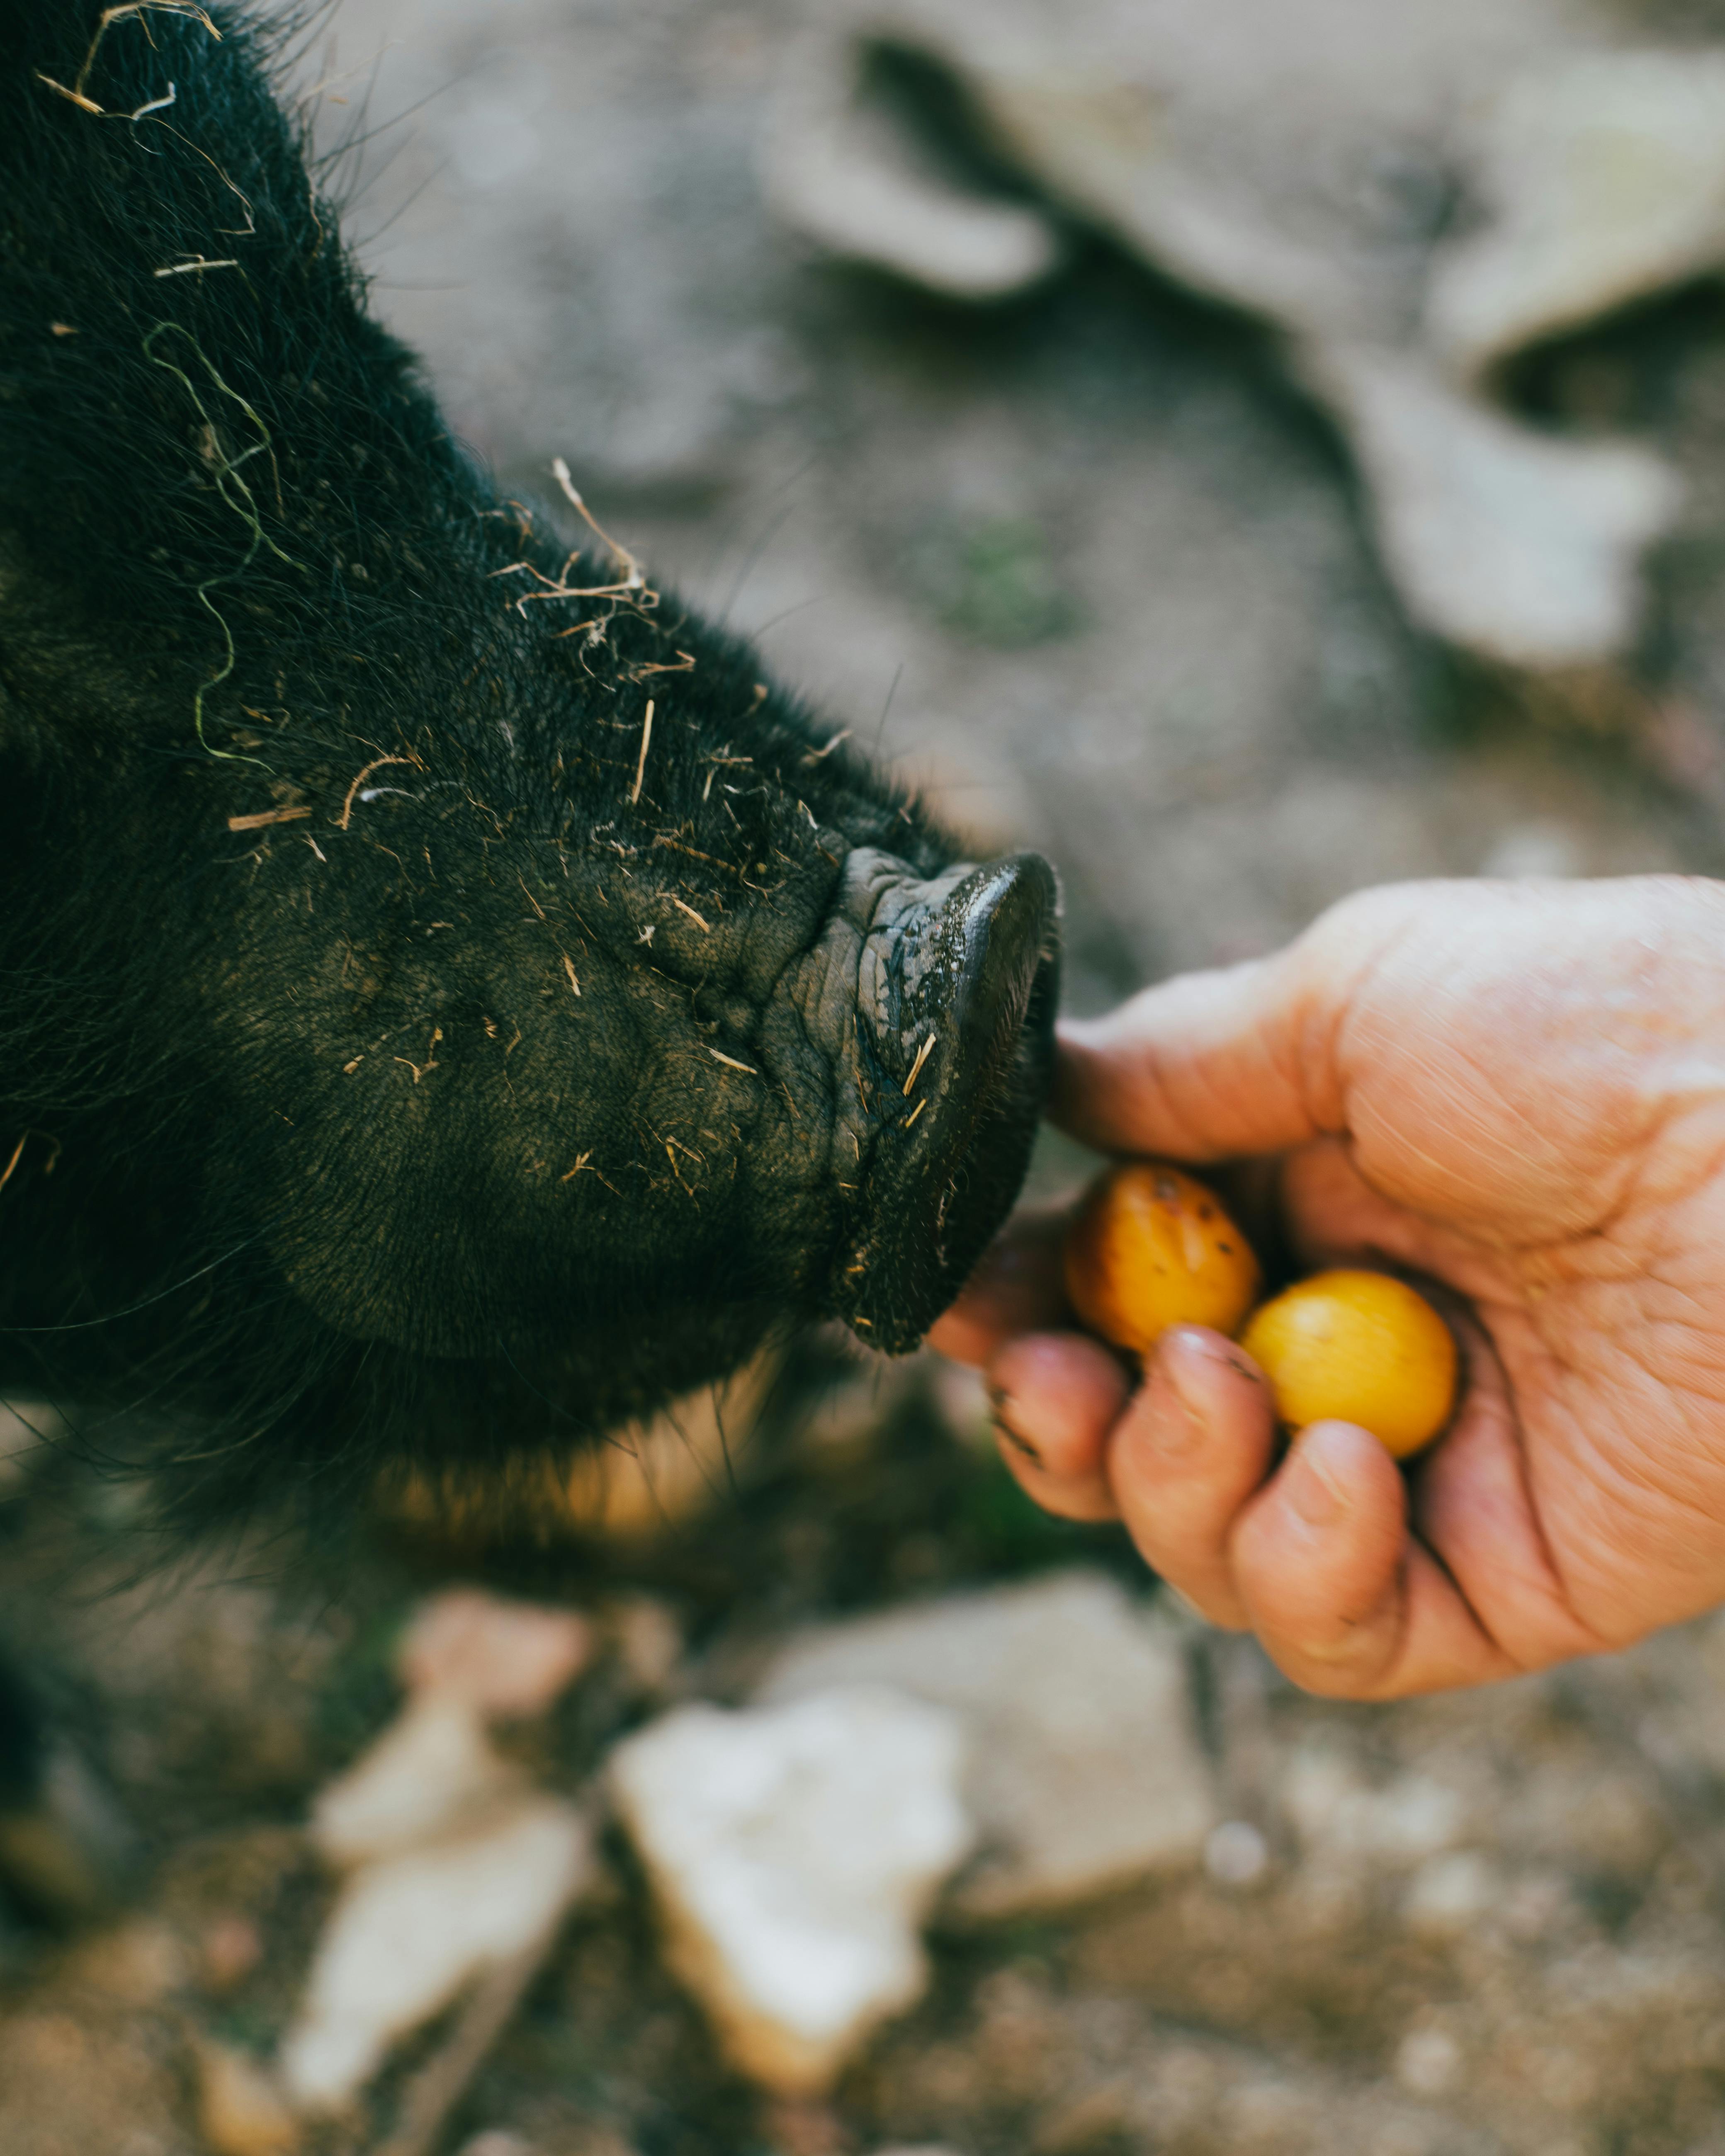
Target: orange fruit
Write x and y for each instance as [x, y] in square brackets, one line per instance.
[1361, 1347]
[1150, 1247]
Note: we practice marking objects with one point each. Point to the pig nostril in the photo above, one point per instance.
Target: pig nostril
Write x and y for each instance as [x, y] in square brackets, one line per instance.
[976, 985]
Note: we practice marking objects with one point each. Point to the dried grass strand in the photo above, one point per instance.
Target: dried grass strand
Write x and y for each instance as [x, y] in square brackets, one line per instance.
[187, 10]
[634, 792]
[633, 571]
[17, 1154]
[377, 763]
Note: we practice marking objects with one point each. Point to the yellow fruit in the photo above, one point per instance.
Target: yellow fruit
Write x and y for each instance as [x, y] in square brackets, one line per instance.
[1151, 1248]
[1360, 1348]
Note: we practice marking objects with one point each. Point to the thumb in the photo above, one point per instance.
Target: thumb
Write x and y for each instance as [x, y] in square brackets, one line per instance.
[1241, 1061]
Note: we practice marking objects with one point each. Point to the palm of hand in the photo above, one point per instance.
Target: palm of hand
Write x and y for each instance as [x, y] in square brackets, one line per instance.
[1534, 1094]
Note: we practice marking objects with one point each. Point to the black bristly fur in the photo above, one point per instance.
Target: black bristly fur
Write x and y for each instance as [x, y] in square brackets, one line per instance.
[408, 1123]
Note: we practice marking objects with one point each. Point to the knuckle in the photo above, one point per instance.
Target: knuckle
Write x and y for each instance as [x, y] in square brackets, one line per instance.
[1335, 1655]
[1323, 1682]
[1353, 1669]
[1361, 918]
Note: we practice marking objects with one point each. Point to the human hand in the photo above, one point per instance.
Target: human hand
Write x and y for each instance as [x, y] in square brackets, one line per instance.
[1516, 1090]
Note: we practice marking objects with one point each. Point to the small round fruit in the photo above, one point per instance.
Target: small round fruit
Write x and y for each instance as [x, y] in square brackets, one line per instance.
[1361, 1347]
[1151, 1248]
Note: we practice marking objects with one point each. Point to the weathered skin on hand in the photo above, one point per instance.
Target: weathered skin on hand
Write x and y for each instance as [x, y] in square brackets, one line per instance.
[450, 998]
[1516, 1090]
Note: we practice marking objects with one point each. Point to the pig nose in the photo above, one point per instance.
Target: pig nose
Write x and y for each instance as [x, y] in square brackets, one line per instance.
[961, 1006]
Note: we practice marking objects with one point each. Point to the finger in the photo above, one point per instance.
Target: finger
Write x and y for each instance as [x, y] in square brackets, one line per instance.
[1191, 1449]
[1199, 1067]
[1474, 1506]
[1344, 1600]
[1243, 1060]
[1018, 1286]
[1057, 1396]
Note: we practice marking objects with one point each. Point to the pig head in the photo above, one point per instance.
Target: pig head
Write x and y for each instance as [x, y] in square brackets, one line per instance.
[451, 1000]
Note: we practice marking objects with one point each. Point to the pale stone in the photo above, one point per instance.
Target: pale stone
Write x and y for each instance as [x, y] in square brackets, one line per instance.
[454, 1863]
[241, 2112]
[793, 1852]
[502, 1658]
[1210, 142]
[1085, 1769]
[1603, 180]
[837, 169]
[432, 1768]
[410, 1932]
[1518, 545]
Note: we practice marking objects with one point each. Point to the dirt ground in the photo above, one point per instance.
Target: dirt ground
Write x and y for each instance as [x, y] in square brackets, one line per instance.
[1086, 568]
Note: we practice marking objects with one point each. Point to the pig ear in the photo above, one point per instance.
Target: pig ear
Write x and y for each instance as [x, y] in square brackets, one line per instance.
[954, 1153]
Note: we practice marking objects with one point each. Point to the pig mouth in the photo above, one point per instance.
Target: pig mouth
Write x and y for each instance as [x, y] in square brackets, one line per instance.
[962, 1020]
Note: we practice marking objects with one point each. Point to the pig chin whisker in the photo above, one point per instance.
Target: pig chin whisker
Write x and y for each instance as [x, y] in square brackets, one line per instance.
[144, 1302]
[561, 1412]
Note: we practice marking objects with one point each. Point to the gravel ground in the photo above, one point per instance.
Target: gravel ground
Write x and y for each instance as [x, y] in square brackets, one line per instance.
[1086, 568]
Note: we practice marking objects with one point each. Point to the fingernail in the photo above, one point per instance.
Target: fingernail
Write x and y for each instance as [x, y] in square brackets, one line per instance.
[1186, 1428]
[1179, 1428]
[1308, 1491]
[1211, 1348]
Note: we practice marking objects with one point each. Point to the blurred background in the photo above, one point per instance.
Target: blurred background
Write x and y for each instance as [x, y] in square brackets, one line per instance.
[1247, 449]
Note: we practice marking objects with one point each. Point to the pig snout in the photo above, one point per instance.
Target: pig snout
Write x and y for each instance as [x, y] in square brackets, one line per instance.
[949, 1049]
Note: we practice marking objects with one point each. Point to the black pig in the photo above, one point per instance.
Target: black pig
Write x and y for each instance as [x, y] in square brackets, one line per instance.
[451, 1001]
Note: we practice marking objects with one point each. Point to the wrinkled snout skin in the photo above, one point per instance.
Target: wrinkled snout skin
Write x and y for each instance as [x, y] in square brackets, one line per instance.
[451, 1000]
